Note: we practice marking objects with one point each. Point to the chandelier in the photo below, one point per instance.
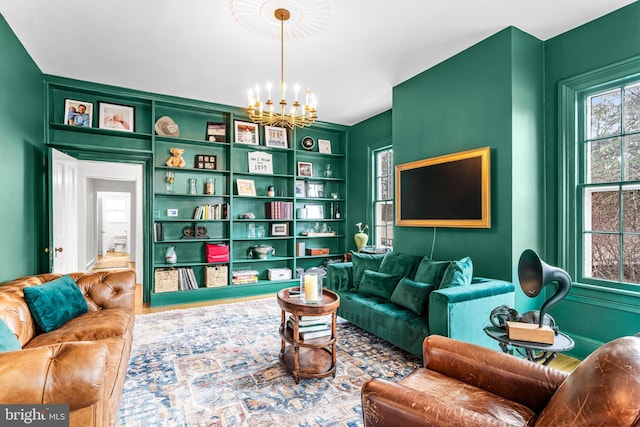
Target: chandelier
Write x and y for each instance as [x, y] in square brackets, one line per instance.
[270, 115]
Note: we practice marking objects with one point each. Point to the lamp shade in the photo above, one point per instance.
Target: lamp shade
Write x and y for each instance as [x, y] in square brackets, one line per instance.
[534, 274]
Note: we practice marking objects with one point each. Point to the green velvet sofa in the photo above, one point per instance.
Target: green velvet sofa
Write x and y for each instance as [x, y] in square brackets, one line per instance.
[404, 298]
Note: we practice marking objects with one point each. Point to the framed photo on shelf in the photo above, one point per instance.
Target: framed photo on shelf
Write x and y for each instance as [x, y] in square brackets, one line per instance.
[205, 161]
[115, 116]
[216, 132]
[301, 188]
[246, 187]
[78, 113]
[314, 211]
[275, 137]
[324, 146]
[280, 229]
[260, 162]
[245, 132]
[305, 169]
[315, 189]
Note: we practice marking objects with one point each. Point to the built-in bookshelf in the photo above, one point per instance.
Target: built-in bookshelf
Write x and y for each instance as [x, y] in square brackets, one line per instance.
[298, 208]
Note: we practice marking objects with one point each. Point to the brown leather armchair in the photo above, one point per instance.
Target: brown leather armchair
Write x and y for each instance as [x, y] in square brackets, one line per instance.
[463, 384]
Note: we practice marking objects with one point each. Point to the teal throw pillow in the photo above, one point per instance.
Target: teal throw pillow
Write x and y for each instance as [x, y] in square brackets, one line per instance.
[399, 264]
[8, 340]
[430, 271]
[412, 295]
[378, 284]
[459, 273]
[362, 262]
[54, 303]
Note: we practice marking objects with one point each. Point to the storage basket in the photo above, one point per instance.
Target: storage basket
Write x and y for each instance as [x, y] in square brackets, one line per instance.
[166, 280]
[216, 275]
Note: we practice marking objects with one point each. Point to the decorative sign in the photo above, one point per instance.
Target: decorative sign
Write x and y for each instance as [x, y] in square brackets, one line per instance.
[260, 163]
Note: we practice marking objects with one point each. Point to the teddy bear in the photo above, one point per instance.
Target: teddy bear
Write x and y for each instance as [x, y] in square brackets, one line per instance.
[176, 160]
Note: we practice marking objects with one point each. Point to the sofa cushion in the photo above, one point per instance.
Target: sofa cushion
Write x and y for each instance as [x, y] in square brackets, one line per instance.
[8, 340]
[459, 273]
[362, 262]
[399, 264]
[412, 295]
[430, 271]
[378, 284]
[54, 303]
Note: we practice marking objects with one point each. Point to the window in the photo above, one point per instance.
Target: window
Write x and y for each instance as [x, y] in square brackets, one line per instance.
[609, 183]
[383, 197]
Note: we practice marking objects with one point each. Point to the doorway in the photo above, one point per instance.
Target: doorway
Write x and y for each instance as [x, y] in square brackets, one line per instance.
[97, 209]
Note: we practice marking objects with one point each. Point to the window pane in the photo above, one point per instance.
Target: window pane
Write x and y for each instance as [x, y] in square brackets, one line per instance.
[605, 255]
[631, 259]
[631, 209]
[632, 108]
[602, 210]
[603, 164]
[632, 158]
[384, 162]
[384, 188]
[604, 114]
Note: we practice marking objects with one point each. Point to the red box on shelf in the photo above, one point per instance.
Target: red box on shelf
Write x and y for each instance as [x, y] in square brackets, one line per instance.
[216, 252]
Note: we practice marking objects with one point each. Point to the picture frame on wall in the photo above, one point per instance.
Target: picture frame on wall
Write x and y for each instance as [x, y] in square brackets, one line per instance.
[301, 188]
[216, 132]
[78, 113]
[275, 137]
[116, 117]
[245, 132]
[246, 187]
[280, 229]
[324, 146]
[305, 169]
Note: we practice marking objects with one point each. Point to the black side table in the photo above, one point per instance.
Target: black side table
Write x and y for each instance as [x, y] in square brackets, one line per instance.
[534, 351]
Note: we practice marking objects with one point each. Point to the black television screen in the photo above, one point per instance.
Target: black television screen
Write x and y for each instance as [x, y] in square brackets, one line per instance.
[445, 191]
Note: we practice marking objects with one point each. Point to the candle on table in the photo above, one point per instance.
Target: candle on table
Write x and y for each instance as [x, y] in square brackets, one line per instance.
[311, 287]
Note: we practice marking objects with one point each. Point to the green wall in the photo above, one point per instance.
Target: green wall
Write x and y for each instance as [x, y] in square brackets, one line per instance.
[590, 315]
[487, 95]
[22, 184]
[365, 137]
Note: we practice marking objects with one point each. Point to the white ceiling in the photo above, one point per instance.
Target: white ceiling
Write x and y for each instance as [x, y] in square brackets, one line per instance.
[196, 49]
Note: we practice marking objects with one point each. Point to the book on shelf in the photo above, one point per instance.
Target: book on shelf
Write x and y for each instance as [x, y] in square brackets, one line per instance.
[242, 277]
[158, 232]
[312, 320]
[315, 334]
[236, 281]
[308, 328]
[186, 279]
[278, 210]
[209, 212]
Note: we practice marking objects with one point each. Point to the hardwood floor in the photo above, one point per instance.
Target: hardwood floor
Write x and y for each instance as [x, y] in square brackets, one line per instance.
[562, 362]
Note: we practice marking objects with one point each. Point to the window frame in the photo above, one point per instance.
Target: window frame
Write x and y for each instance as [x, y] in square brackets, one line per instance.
[573, 94]
[374, 196]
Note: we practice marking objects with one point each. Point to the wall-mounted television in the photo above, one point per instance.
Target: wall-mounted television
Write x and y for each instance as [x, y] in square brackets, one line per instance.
[453, 190]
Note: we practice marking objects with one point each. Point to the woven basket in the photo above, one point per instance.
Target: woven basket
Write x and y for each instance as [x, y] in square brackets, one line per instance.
[166, 280]
[216, 275]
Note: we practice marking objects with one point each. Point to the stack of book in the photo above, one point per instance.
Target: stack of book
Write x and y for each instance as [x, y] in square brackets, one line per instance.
[278, 210]
[208, 212]
[311, 326]
[186, 279]
[242, 277]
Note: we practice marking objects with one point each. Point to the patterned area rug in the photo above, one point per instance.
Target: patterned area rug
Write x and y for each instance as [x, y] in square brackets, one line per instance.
[218, 366]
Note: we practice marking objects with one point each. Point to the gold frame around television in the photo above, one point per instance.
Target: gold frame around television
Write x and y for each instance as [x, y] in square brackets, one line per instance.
[482, 221]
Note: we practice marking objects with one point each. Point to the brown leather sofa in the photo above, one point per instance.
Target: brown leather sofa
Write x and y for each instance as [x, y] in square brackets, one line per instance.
[463, 384]
[82, 363]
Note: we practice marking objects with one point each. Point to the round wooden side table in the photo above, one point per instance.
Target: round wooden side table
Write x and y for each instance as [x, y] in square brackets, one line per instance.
[311, 358]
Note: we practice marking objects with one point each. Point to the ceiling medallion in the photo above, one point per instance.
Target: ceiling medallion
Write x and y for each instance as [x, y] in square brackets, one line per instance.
[307, 17]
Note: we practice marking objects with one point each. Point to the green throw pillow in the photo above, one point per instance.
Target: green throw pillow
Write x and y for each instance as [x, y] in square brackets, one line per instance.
[399, 264]
[459, 273]
[430, 271]
[378, 284]
[8, 340]
[412, 295]
[362, 262]
[54, 303]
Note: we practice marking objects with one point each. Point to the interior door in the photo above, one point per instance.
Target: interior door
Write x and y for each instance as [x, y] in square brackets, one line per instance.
[64, 212]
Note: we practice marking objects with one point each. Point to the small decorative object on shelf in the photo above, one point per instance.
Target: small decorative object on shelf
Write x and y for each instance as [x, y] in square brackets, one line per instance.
[165, 126]
[328, 172]
[170, 256]
[176, 160]
[205, 161]
[337, 214]
[209, 186]
[271, 191]
[194, 233]
[308, 143]
[310, 288]
[361, 238]
[168, 181]
[193, 186]
[260, 251]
